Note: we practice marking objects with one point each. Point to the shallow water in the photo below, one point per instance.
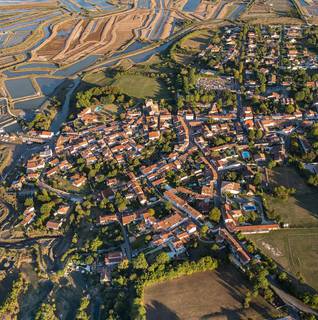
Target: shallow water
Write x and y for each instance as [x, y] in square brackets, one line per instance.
[48, 85]
[19, 88]
[37, 65]
[29, 107]
[77, 67]
[12, 74]
[191, 5]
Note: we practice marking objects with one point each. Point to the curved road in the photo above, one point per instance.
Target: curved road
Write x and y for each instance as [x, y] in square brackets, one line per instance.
[292, 301]
[22, 243]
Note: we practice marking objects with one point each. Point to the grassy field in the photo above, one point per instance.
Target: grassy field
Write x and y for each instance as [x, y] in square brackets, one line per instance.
[207, 295]
[300, 210]
[140, 86]
[294, 249]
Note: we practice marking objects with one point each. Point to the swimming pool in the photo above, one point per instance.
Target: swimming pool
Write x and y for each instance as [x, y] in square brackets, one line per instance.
[249, 208]
[246, 155]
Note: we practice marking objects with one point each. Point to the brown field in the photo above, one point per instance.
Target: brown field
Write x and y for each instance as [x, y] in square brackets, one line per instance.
[207, 295]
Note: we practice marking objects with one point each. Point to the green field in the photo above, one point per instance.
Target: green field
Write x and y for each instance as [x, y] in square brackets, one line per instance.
[139, 86]
[205, 295]
[294, 249]
[300, 210]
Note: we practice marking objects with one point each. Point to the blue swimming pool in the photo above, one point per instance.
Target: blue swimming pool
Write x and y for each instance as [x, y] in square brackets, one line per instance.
[249, 208]
[246, 155]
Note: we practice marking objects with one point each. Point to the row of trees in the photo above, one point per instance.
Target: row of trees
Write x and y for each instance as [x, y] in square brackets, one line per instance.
[11, 306]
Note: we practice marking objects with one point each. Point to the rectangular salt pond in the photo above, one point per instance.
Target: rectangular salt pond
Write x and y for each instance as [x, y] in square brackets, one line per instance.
[191, 5]
[37, 65]
[48, 85]
[19, 88]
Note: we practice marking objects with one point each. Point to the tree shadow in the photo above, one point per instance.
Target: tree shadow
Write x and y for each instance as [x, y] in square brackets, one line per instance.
[224, 313]
[156, 310]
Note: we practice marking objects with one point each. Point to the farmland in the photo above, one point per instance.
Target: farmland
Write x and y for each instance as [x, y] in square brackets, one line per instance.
[218, 295]
[296, 250]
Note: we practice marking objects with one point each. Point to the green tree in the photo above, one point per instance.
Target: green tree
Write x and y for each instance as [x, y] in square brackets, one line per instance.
[162, 258]
[215, 215]
[46, 312]
[204, 230]
[81, 312]
[28, 202]
[140, 262]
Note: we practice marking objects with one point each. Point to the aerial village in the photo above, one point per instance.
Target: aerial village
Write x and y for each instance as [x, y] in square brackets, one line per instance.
[164, 177]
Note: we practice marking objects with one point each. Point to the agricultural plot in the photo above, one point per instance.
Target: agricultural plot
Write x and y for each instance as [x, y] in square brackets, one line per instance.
[300, 210]
[294, 249]
[207, 295]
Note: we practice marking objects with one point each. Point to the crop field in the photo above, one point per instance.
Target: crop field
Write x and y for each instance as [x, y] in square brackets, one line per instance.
[300, 210]
[207, 295]
[294, 249]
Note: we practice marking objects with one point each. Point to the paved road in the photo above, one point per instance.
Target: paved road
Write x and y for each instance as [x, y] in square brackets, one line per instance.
[127, 243]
